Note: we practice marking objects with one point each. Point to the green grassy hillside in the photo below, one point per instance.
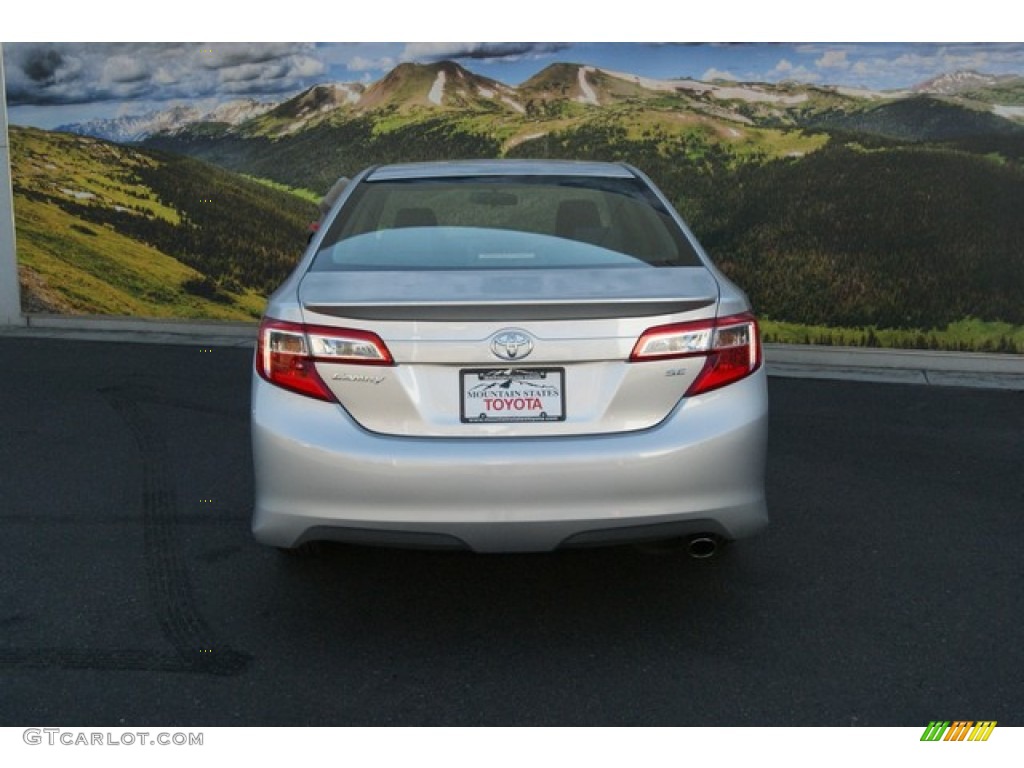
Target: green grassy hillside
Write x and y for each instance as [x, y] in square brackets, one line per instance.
[903, 237]
[1009, 92]
[107, 229]
[314, 158]
[843, 228]
[923, 118]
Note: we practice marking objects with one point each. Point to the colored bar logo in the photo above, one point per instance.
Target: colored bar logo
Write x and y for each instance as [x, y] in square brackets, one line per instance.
[958, 730]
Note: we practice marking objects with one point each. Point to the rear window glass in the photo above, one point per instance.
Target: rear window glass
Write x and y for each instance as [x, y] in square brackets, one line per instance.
[496, 222]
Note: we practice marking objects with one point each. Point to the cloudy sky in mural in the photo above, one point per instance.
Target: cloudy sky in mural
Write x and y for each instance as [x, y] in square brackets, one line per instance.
[53, 83]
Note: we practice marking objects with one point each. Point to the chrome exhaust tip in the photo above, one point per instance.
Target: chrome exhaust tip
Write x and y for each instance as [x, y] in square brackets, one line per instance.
[702, 546]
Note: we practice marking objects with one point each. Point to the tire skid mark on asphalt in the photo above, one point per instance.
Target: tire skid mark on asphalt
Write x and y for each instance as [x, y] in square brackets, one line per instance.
[148, 396]
[166, 570]
[167, 576]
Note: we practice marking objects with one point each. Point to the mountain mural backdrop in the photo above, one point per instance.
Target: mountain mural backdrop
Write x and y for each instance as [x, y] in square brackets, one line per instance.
[851, 215]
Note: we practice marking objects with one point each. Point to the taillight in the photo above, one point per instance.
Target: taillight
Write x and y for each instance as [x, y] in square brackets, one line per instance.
[287, 352]
[730, 345]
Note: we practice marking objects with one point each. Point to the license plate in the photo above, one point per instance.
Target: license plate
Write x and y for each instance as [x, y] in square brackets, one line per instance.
[513, 394]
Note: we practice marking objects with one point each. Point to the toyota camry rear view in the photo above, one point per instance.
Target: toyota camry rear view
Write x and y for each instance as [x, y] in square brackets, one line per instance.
[507, 356]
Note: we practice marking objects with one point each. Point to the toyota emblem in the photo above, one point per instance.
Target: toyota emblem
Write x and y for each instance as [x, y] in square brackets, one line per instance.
[511, 345]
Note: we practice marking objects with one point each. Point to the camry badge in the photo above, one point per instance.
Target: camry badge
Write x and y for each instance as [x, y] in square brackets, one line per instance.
[358, 379]
[511, 345]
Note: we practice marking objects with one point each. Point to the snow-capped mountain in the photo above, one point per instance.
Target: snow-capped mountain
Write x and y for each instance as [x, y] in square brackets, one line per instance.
[131, 128]
[134, 128]
[314, 102]
[235, 112]
[446, 86]
[951, 83]
[442, 84]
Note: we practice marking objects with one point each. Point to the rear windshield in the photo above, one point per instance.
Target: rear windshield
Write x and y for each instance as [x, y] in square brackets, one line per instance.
[498, 222]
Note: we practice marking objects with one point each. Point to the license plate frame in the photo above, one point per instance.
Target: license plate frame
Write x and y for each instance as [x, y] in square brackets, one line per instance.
[511, 395]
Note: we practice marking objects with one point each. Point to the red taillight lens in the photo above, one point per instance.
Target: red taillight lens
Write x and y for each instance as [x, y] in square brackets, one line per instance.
[731, 347]
[287, 353]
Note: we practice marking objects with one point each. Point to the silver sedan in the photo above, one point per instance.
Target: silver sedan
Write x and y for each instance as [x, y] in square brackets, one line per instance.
[507, 356]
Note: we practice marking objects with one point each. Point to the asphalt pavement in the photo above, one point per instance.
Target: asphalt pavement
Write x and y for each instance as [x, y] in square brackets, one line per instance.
[888, 590]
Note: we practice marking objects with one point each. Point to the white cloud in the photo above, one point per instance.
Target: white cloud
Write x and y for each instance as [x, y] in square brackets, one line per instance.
[432, 51]
[306, 66]
[81, 73]
[163, 76]
[902, 65]
[124, 69]
[438, 51]
[833, 60]
[718, 74]
[223, 55]
[364, 64]
[787, 70]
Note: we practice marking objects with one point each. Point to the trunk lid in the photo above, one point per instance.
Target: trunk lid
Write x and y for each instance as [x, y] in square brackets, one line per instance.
[509, 353]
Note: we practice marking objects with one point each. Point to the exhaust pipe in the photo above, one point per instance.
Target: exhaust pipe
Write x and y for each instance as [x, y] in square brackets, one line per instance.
[702, 546]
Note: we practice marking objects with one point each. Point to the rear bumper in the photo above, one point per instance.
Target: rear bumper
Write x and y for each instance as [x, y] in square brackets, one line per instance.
[321, 476]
